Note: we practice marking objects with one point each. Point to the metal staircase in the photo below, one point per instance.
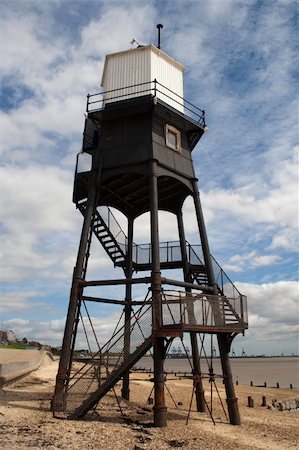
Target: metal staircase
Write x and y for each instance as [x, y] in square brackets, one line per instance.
[99, 374]
[101, 229]
[230, 313]
[198, 274]
[111, 380]
[110, 234]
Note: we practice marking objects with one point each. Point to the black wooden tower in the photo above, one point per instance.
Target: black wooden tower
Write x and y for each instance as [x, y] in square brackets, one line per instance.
[140, 134]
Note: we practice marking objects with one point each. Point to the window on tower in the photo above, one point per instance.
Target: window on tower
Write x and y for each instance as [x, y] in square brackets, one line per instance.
[173, 138]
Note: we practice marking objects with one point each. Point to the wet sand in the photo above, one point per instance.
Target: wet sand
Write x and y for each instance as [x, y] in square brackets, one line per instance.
[27, 422]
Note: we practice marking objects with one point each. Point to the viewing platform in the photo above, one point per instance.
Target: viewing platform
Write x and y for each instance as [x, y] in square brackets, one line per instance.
[152, 89]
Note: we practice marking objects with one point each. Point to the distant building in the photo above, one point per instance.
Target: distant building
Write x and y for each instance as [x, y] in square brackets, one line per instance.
[34, 344]
[7, 336]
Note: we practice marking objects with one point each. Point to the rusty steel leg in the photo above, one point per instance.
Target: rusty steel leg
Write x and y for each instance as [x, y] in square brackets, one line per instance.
[74, 302]
[125, 392]
[231, 399]
[197, 380]
[160, 410]
[203, 238]
[223, 342]
[199, 392]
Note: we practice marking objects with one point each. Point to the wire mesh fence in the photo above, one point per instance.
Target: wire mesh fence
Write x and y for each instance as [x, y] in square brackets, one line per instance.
[87, 377]
[203, 310]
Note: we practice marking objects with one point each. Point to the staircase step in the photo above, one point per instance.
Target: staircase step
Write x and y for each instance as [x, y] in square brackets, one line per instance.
[108, 243]
[104, 234]
[111, 250]
[100, 229]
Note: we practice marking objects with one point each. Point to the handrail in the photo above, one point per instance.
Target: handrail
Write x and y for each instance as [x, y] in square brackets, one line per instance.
[170, 251]
[153, 89]
[114, 226]
[223, 276]
[201, 309]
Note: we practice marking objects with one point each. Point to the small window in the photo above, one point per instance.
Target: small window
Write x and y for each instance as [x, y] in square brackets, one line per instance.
[173, 138]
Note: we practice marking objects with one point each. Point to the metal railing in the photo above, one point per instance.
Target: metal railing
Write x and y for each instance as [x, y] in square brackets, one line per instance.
[114, 227]
[153, 88]
[203, 310]
[170, 252]
[223, 281]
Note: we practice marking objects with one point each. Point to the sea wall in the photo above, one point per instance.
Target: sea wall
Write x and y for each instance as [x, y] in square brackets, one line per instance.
[20, 366]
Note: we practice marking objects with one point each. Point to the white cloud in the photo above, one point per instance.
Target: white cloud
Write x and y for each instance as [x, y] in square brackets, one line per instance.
[35, 197]
[51, 332]
[102, 36]
[259, 208]
[277, 302]
[265, 260]
[36, 213]
[273, 317]
[20, 301]
[44, 332]
[238, 263]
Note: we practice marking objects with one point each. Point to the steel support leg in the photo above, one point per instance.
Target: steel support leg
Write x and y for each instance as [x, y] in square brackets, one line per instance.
[74, 303]
[197, 380]
[160, 410]
[125, 392]
[203, 237]
[223, 344]
[232, 401]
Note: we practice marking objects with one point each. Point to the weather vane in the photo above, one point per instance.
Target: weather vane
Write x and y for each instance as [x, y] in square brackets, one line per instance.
[133, 41]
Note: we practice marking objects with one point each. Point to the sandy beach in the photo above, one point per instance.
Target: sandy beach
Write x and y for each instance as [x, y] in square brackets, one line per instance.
[27, 422]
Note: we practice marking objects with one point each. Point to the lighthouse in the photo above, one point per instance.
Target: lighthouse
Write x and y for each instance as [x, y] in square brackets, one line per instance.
[139, 135]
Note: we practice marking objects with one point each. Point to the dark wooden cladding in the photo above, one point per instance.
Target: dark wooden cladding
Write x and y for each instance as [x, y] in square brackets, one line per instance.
[130, 134]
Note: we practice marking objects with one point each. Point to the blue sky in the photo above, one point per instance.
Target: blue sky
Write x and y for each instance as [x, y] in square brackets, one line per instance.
[241, 68]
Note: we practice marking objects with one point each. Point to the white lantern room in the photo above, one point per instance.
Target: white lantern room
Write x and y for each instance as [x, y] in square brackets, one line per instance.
[145, 70]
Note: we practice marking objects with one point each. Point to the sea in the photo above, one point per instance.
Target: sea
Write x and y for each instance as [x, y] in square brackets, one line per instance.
[282, 372]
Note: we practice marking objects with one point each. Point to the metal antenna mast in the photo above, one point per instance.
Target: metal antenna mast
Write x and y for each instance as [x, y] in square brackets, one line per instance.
[159, 26]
